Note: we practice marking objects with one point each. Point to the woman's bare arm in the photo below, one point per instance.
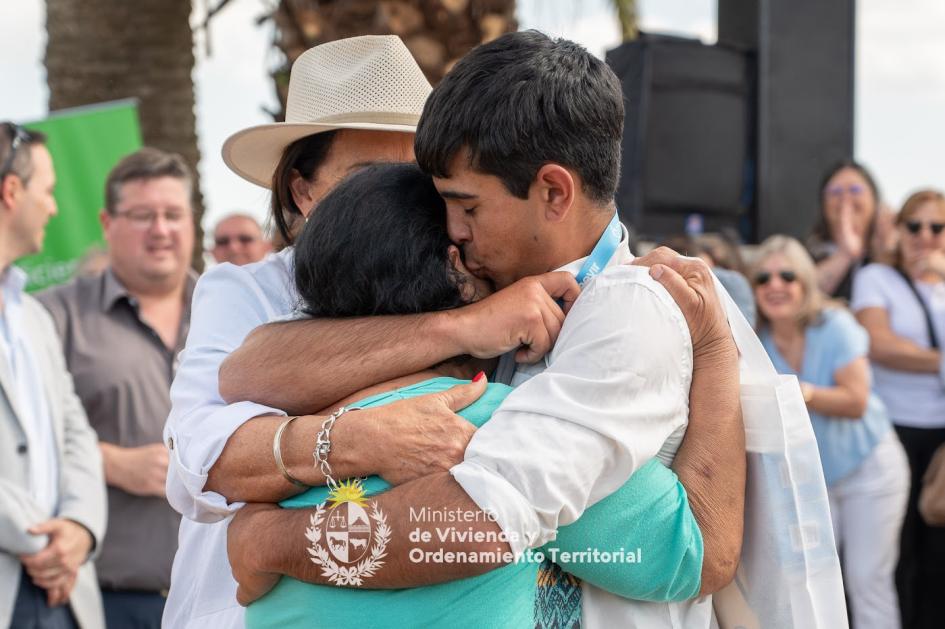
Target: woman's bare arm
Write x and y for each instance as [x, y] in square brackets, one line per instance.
[849, 394]
[302, 366]
[893, 351]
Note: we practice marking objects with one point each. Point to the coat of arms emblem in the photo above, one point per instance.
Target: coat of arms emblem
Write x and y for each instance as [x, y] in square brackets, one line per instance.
[354, 536]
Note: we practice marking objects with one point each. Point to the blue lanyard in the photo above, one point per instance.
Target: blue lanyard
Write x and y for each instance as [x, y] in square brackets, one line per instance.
[603, 251]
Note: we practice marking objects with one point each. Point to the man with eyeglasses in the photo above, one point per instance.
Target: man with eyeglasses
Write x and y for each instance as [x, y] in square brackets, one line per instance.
[52, 494]
[122, 331]
[239, 239]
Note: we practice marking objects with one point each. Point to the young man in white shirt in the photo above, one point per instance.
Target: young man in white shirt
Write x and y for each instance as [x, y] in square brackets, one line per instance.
[529, 185]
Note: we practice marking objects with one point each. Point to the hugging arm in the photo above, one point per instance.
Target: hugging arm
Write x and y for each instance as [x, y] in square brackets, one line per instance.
[420, 436]
[276, 366]
[265, 542]
[711, 461]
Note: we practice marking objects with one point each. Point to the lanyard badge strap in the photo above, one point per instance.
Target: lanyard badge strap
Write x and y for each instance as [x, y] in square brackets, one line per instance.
[603, 251]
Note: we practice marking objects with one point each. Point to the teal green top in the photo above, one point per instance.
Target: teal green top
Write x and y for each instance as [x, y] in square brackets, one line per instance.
[647, 522]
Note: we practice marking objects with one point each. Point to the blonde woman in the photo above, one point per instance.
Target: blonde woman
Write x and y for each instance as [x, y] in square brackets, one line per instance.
[864, 463]
[902, 306]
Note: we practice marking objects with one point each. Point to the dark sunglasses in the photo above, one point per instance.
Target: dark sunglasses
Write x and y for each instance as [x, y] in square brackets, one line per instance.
[19, 137]
[915, 227]
[242, 238]
[764, 277]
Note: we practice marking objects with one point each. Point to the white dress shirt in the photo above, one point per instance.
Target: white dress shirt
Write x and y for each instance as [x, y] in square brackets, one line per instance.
[30, 394]
[229, 302]
[612, 394]
[634, 355]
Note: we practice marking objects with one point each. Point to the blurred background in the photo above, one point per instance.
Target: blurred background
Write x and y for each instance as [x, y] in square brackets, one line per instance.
[789, 87]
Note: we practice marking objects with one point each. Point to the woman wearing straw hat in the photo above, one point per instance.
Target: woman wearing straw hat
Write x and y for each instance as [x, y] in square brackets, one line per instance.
[351, 102]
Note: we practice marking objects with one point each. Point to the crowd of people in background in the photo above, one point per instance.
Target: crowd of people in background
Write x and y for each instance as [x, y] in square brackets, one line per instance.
[856, 312]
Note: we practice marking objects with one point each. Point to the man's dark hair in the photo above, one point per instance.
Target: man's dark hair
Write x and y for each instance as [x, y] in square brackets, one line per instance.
[377, 245]
[522, 101]
[305, 155]
[18, 159]
[146, 163]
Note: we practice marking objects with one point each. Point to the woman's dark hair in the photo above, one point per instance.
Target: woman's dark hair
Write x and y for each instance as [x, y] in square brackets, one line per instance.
[377, 245]
[821, 230]
[304, 155]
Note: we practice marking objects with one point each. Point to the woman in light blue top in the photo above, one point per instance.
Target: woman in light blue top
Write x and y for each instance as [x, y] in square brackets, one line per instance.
[864, 463]
[412, 267]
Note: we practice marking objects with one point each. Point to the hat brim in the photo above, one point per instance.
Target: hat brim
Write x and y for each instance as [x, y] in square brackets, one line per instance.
[254, 153]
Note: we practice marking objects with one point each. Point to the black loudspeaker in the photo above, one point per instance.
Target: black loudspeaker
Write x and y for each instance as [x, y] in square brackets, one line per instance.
[805, 52]
[688, 142]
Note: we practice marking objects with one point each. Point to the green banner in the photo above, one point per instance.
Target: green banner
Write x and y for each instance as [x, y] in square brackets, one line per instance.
[85, 144]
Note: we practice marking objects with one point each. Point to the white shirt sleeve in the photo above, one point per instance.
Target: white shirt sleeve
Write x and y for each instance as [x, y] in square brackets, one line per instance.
[228, 303]
[615, 394]
[869, 287]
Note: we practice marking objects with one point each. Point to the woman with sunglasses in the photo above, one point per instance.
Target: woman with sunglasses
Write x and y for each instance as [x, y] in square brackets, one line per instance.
[902, 306]
[863, 462]
[844, 237]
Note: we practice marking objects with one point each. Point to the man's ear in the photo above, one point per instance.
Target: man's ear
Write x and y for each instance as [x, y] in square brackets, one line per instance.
[10, 188]
[556, 188]
[106, 220]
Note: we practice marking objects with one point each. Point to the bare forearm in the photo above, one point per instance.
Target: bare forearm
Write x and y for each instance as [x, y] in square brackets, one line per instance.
[711, 462]
[405, 563]
[837, 401]
[831, 271]
[110, 455]
[246, 470]
[896, 352]
[303, 366]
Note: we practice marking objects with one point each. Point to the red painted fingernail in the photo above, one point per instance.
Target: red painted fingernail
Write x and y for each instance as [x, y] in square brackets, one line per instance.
[479, 376]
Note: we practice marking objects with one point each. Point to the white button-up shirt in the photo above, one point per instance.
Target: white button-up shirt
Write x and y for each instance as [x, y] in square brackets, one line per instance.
[229, 302]
[612, 394]
[30, 394]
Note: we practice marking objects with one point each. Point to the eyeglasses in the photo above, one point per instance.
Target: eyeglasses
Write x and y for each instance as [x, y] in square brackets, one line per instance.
[915, 227]
[853, 189]
[243, 239]
[142, 218]
[19, 137]
[764, 277]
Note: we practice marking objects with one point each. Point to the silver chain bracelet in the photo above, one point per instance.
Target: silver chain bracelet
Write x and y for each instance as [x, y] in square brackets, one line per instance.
[323, 444]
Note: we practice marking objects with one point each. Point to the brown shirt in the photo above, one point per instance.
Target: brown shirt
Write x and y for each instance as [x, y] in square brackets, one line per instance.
[122, 372]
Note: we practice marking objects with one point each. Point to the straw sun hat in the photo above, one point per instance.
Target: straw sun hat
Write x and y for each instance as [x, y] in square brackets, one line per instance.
[369, 82]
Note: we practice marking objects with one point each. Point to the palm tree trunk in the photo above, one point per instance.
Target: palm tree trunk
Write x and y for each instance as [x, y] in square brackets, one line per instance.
[437, 32]
[102, 50]
[628, 19]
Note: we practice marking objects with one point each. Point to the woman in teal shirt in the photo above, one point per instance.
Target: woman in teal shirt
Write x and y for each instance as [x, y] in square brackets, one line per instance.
[345, 267]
